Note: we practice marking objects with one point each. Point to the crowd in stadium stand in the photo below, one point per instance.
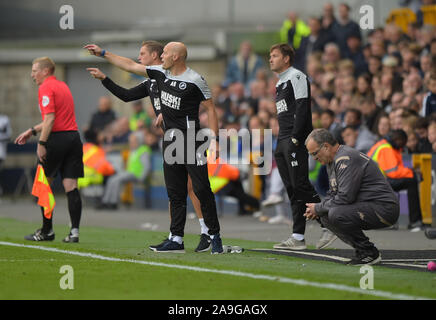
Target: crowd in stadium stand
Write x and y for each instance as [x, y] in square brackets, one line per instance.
[362, 87]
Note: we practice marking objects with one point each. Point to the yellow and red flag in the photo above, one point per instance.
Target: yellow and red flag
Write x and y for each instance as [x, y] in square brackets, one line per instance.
[42, 190]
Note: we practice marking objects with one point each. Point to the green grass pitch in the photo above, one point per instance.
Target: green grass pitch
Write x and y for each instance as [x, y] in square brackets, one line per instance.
[29, 273]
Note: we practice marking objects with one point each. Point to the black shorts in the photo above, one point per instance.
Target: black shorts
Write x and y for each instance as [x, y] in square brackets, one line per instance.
[64, 155]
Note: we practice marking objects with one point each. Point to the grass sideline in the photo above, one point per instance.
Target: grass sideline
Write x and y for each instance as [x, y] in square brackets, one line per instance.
[27, 273]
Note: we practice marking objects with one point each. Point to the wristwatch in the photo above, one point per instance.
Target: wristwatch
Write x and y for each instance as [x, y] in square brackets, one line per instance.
[42, 143]
[294, 141]
[33, 131]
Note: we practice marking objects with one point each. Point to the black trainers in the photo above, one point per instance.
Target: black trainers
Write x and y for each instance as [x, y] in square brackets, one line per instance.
[217, 245]
[415, 227]
[71, 239]
[205, 243]
[430, 233]
[153, 247]
[362, 259]
[170, 246]
[40, 236]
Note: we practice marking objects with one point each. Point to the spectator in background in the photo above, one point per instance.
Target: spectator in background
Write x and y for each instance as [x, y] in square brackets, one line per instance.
[5, 135]
[429, 101]
[118, 131]
[225, 180]
[364, 139]
[432, 135]
[383, 126]
[328, 17]
[140, 118]
[363, 88]
[421, 129]
[314, 42]
[293, 30]
[387, 154]
[396, 101]
[95, 164]
[138, 167]
[370, 112]
[355, 53]
[412, 142]
[344, 27]
[243, 66]
[331, 54]
[374, 66]
[103, 116]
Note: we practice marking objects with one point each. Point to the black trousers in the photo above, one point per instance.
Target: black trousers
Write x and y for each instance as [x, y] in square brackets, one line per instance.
[236, 190]
[411, 185]
[176, 179]
[348, 221]
[292, 163]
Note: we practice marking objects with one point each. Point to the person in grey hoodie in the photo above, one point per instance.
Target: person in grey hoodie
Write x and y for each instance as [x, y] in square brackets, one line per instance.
[359, 197]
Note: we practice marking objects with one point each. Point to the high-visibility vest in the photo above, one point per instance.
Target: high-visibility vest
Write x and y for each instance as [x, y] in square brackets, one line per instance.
[313, 175]
[95, 157]
[301, 30]
[90, 177]
[389, 160]
[220, 174]
[133, 122]
[134, 164]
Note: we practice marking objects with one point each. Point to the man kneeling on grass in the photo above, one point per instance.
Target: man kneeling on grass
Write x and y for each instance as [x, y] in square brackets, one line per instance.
[359, 198]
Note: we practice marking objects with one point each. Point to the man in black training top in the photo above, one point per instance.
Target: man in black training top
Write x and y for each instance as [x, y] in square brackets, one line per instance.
[295, 122]
[181, 92]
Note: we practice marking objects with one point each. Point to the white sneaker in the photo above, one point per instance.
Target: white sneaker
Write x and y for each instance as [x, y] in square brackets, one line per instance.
[278, 220]
[272, 200]
[257, 214]
[327, 238]
[291, 244]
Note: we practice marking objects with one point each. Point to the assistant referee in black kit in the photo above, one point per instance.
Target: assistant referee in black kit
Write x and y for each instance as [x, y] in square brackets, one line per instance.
[295, 121]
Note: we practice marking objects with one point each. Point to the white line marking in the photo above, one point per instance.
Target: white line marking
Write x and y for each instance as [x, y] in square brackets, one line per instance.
[398, 262]
[300, 282]
[331, 257]
[405, 260]
[405, 265]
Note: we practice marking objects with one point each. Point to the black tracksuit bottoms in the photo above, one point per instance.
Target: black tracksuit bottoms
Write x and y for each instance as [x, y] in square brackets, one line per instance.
[292, 163]
[176, 179]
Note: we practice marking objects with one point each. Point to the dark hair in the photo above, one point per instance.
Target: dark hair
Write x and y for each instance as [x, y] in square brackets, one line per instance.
[421, 123]
[329, 112]
[153, 46]
[398, 134]
[357, 112]
[286, 50]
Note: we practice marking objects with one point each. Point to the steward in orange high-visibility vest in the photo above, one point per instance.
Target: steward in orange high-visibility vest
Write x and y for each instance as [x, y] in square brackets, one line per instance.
[225, 178]
[95, 157]
[387, 154]
[220, 174]
[389, 160]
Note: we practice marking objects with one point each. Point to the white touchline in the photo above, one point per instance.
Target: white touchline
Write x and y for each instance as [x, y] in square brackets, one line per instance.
[300, 282]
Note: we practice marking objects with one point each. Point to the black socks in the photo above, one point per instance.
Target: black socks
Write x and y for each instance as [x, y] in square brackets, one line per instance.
[74, 207]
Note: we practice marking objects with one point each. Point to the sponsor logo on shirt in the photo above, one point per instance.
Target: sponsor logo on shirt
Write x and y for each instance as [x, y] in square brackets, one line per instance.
[170, 101]
[182, 85]
[281, 106]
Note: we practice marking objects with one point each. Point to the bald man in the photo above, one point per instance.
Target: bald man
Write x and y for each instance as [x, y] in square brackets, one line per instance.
[182, 90]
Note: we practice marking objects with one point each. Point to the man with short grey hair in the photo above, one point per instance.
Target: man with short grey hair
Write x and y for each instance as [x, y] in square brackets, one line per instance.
[359, 197]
